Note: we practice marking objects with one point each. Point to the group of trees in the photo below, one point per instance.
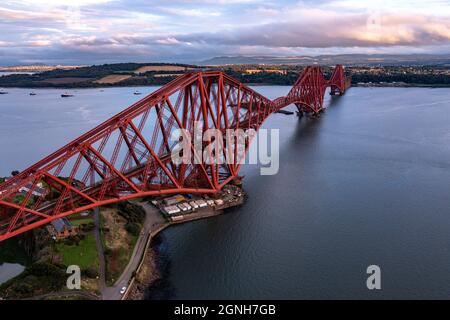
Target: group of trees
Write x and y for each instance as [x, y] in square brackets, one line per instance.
[91, 73]
[410, 75]
[37, 279]
[419, 79]
[134, 215]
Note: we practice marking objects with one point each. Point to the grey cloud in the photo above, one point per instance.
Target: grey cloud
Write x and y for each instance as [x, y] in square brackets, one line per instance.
[339, 32]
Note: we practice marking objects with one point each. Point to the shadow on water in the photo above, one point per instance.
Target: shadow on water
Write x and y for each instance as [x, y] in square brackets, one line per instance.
[11, 251]
[13, 259]
[306, 129]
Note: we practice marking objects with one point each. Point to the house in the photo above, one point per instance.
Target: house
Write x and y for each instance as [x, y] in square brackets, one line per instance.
[62, 228]
[38, 191]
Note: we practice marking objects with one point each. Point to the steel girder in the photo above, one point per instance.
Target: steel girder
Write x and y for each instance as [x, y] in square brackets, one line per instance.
[129, 155]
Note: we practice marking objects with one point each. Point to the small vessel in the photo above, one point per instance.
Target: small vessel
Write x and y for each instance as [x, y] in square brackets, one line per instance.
[3, 92]
[66, 95]
[32, 93]
[137, 92]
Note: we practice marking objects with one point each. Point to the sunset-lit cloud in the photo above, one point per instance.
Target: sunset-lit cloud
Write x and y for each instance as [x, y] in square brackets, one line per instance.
[97, 31]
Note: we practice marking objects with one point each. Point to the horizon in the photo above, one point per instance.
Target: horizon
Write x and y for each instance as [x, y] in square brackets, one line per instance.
[113, 31]
[199, 63]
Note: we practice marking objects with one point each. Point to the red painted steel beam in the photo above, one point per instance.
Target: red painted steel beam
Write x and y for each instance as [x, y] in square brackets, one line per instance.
[84, 174]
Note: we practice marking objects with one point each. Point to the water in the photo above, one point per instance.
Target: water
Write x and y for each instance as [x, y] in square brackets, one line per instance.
[5, 73]
[9, 271]
[32, 127]
[12, 260]
[365, 184]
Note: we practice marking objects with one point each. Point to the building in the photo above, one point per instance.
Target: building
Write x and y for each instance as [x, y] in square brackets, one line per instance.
[193, 204]
[170, 210]
[255, 71]
[62, 228]
[201, 203]
[174, 200]
[38, 191]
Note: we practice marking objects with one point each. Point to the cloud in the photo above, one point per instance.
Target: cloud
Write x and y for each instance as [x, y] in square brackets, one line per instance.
[328, 30]
[168, 41]
[20, 15]
[55, 3]
[181, 30]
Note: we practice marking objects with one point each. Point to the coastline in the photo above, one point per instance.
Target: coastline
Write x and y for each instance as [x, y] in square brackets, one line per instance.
[147, 272]
[399, 85]
[364, 85]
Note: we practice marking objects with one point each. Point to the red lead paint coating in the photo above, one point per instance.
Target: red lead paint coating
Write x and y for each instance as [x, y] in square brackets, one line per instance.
[129, 155]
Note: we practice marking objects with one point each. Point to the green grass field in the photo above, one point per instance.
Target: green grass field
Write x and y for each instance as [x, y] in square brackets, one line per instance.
[79, 222]
[84, 255]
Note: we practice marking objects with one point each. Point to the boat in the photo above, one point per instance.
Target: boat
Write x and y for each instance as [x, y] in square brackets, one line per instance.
[32, 93]
[3, 92]
[137, 93]
[66, 95]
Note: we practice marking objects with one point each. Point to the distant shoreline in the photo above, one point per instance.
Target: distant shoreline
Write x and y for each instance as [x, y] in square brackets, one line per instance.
[360, 85]
[397, 85]
[158, 74]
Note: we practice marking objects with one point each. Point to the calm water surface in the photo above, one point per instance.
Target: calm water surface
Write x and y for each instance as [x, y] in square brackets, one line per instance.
[9, 271]
[365, 184]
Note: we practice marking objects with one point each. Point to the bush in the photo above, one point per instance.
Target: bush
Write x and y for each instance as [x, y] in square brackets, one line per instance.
[133, 228]
[90, 273]
[39, 278]
[131, 212]
[87, 227]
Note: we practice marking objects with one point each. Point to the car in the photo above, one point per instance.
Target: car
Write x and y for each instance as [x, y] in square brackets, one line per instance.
[123, 290]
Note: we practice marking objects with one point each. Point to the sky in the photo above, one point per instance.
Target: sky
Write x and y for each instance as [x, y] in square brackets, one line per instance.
[107, 31]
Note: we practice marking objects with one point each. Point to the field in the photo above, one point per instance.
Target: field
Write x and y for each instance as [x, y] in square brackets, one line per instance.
[67, 80]
[117, 241]
[111, 79]
[161, 68]
[79, 222]
[84, 254]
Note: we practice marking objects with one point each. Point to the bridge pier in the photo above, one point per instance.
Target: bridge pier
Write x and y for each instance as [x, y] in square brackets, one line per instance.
[95, 177]
[336, 92]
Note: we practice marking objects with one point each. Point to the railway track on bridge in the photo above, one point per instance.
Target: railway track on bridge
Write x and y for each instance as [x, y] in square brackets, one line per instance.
[129, 155]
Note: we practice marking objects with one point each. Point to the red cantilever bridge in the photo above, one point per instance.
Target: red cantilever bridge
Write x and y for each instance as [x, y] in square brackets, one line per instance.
[128, 156]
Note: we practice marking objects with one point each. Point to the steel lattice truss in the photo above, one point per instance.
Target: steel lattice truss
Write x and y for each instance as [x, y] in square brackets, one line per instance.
[129, 155]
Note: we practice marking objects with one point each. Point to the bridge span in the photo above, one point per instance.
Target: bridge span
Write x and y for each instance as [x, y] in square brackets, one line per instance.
[128, 156]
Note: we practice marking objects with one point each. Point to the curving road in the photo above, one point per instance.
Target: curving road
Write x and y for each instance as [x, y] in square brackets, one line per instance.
[153, 219]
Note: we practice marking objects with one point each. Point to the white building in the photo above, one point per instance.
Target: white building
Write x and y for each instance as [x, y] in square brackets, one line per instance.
[171, 210]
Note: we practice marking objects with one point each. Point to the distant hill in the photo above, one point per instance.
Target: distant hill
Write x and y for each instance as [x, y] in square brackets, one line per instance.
[346, 59]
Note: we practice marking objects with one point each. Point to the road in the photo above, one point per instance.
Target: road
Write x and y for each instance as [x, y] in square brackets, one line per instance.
[153, 219]
[100, 251]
